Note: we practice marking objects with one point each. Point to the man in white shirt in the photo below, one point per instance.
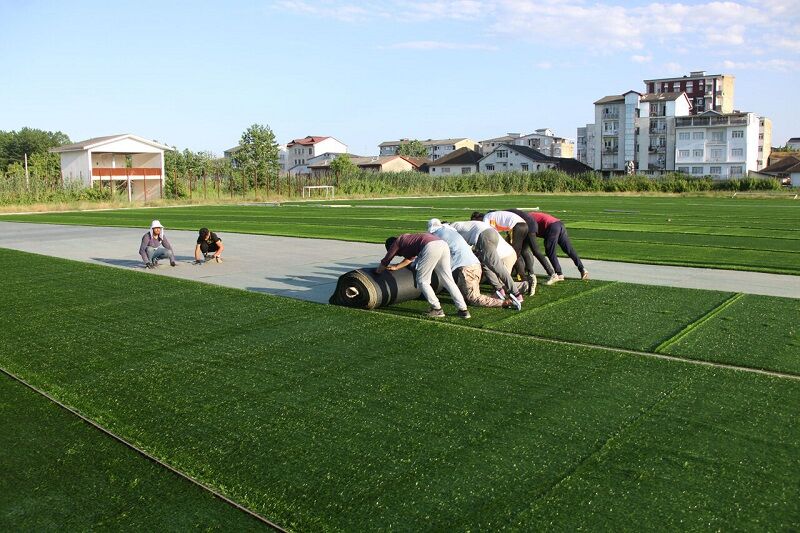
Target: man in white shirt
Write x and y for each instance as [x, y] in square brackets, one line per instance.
[518, 229]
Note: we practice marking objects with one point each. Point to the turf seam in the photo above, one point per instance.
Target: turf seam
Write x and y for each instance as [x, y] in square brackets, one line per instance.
[652, 355]
[699, 322]
[143, 453]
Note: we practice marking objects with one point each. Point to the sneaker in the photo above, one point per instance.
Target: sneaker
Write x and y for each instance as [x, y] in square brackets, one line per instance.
[154, 262]
[555, 278]
[519, 297]
[462, 314]
[585, 275]
[436, 313]
[515, 302]
[500, 294]
[531, 285]
[148, 265]
[173, 263]
[561, 277]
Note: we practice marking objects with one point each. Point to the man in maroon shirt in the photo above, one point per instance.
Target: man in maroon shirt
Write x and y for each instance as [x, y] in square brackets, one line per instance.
[553, 232]
[432, 255]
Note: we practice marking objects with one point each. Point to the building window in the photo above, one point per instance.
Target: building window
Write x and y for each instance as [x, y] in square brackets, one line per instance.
[736, 171]
[466, 170]
[697, 170]
[689, 86]
[761, 136]
[700, 101]
[445, 170]
[715, 171]
[502, 154]
[716, 154]
[698, 136]
[698, 153]
[685, 170]
[737, 152]
[760, 148]
[489, 167]
[737, 134]
[717, 136]
[310, 151]
[683, 153]
[684, 136]
[524, 167]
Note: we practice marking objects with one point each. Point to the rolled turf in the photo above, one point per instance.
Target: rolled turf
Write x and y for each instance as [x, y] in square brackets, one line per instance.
[335, 419]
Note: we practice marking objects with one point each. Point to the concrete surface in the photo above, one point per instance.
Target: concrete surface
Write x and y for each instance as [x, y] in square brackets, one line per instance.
[307, 269]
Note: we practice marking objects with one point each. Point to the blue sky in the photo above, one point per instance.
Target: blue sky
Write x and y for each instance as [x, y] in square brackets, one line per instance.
[197, 74]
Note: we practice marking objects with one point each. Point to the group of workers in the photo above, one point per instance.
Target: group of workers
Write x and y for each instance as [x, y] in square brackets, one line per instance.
[155, 246]
[463, 253]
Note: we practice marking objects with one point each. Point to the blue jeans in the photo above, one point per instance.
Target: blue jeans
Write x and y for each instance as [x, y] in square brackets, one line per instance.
[154, 254]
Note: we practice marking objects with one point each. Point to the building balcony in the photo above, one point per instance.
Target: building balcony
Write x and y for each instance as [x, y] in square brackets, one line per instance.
[610, 151]
[610, 114]
[658, 130]
[124, 173]
[658, 112]
[611, 133]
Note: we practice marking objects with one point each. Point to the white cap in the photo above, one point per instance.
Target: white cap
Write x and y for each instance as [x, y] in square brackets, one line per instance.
[434, 224]
[156, 224]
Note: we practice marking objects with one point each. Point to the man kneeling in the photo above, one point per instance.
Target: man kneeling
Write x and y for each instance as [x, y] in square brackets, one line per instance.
[209, 246]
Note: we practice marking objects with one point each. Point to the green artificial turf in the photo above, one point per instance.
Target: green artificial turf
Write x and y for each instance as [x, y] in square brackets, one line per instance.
[733, 233]
[60, 474]
[757, 331]
[324, 418]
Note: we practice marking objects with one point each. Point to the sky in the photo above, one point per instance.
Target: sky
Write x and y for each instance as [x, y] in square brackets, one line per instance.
[196, 74]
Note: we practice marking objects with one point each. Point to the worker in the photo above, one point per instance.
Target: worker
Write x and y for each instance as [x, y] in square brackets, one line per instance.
[553, 232]
[209, 247]
[155, 246]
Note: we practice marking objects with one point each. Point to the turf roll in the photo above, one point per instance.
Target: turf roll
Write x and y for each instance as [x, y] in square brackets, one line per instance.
[365, 289]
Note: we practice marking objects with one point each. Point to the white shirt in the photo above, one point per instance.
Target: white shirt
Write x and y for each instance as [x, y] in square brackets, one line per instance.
[504, 249]
[502, 220]
[470, 230]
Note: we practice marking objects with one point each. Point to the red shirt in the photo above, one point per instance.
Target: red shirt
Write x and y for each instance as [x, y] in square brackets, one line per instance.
[408, 245]
[543, 221]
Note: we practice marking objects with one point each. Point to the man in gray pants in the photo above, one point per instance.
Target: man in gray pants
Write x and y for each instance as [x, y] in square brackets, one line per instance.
[432, 255]
[485, 240]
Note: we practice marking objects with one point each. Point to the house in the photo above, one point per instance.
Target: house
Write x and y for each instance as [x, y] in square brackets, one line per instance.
[793, 144]
[545, 141]
[384, 163]
[299, 151]
[230, 154]
[462, 161]
[510, 158]
[436, 147]
[787, 168]
[124, 160]
[487, 145]
[720, 145]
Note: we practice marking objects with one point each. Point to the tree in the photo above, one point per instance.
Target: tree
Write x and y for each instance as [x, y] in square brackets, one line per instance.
[413, 148]
[15, 144]
[258, 151]
[343, 165]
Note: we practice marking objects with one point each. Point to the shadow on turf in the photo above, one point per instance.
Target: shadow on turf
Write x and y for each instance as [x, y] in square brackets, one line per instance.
[136, 263]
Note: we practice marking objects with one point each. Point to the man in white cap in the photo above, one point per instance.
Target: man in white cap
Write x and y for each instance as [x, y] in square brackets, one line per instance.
[155, 246]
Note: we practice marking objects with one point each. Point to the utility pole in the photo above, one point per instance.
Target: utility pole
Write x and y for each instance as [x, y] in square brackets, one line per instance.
[27, 176]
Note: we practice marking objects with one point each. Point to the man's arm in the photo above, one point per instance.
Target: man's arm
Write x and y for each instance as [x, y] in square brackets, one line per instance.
[220, 247]
[198, 254]
[143, 248]
[402, 264]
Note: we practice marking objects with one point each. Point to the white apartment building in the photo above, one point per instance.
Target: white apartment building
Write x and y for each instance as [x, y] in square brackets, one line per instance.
[764, 142]
[300, 151]
[436, 147]
[706, 92]
[487, 145]
[656, 139]
[722, 146]
[616, 121]
[543, 140]
[585, 145]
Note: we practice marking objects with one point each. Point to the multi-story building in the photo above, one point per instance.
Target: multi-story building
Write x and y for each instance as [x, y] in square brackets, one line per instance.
[521, 158]
[616, 122]
[543, 140]
[706, 92]
[793, 143]
[656, 140]
[299, 151]
[720, 145]
[764, 141]
[585, 145]
[436, 147]
[486, 146]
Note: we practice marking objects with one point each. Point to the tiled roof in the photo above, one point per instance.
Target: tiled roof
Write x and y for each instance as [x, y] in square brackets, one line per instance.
[89, 143]
[462, 156]
[307, 141]
[610, 99]
[787, 164]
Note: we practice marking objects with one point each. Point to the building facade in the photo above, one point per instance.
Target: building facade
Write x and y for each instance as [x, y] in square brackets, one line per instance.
[720, 145]
[706, 92]
[656, 140]
[462, 161]
[300, 151]
[436, 147]
[616, 121]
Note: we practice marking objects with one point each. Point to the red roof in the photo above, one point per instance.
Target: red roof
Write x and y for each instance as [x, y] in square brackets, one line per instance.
[307, 141]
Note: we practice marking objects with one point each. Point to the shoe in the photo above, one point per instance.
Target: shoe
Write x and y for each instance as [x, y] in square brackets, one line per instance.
[436, 313]
[173, 263]
[148, 265]
[462, 314]
[561, 277]
[519, 297]
[500, 294]
[198, 262]
[553, 279]
[218, 259]
[523, 287]
[154, 262]
[531, 285]
[515, 302]
[585, 275]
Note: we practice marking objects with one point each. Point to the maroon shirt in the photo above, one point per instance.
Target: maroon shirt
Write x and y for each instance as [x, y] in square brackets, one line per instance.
[543, 221]
[408, 245]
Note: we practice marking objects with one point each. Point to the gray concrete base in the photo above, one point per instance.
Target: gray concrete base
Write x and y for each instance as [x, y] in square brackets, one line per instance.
[307, 269]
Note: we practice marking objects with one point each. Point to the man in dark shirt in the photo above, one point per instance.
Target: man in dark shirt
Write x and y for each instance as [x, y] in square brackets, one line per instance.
[209, 246]
[432, 255]
[553, 232]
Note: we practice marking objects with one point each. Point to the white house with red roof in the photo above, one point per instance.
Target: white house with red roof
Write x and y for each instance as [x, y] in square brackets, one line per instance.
[300, 151]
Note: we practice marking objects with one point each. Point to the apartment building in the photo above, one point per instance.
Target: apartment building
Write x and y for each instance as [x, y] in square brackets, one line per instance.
[543, 140]
[720, 145]
[585, 145]
[616, 122]
[706, 92]
[436, 147]
[300, 151]
[656, 140]
[764, 141]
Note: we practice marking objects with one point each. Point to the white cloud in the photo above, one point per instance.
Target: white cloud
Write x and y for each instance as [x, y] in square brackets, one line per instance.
[439, 45]
[641, 59]
[544, 65]
[780, 65]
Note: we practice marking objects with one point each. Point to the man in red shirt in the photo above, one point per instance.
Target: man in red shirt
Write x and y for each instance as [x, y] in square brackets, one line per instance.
[553, 232]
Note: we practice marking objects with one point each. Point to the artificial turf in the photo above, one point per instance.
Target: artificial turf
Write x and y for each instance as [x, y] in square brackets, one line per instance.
[337, 419]
[733, 233]
[59, 473]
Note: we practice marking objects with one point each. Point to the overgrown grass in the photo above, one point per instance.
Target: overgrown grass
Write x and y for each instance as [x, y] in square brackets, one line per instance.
[742, 234]
[61, 474]
[334, 419]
